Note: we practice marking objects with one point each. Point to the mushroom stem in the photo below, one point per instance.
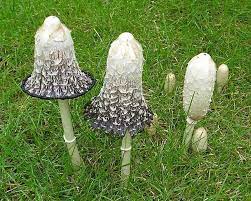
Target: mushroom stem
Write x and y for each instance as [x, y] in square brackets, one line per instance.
[69, 137]
[126, 158]
[188, 131]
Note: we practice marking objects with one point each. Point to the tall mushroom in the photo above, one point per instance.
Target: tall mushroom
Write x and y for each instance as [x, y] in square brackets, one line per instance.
[57, 75]
[198, 90]
[120, 108]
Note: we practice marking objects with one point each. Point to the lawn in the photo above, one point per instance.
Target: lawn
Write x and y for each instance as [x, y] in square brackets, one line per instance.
[34, 162]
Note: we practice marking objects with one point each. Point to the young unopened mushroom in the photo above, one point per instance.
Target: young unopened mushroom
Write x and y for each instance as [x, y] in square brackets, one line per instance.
[199, 140]
[198, 90]
[169, 82]
[56, 75]
[120, 107]
[222, 77]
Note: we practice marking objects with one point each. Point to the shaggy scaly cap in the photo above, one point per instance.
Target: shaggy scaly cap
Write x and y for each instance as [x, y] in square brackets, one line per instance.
[199, 86]
[120, 105]
[56, 73]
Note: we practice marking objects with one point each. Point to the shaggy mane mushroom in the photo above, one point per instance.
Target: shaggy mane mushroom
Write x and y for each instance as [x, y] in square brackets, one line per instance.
[57, 75]
[120, 108]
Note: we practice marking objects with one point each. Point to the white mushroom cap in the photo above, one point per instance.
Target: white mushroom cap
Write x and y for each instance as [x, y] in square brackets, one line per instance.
[222, 75]
[51, 23]
[169, 82]
[120, 105]
[51, 31]
[199, 140]
[126, 36]
[199, 85]
[125, 55]
[56, 73]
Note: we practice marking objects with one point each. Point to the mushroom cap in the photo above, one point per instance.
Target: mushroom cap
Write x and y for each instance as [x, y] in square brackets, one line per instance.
[169, 82]
[223, 68]
[125, 55]
[120, 105]
[51, 23]
[222, 75]
[56, 73]
[126, 36]
[51, 31]
[199, 85]
[199, 140]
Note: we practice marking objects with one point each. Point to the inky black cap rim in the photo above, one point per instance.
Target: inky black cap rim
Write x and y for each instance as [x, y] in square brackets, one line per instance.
[63, 97]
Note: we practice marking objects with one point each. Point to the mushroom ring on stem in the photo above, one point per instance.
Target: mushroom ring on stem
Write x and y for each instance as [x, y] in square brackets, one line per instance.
[120, 108]
[198, 90]
[57, 75]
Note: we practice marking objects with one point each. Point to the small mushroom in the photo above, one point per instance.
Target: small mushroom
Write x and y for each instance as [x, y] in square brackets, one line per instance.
[57, 75]
[120, 108]
[199, 140]
[170, 82]
[222, 77]
[198, 90]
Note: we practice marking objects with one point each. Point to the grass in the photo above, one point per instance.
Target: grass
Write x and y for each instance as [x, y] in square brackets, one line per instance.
[34, 163]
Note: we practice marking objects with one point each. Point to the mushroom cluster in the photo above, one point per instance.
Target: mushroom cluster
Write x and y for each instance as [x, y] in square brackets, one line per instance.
[120, 108]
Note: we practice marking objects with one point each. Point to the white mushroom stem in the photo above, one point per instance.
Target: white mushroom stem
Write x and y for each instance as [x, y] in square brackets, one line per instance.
[199, 140]
[126, 158]
[69, 137]
[222, 77]
[188, 131]
[170, 83]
